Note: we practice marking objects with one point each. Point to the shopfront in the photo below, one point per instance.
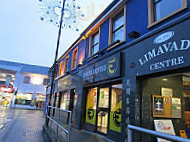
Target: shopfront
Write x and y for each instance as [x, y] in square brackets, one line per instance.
[157, 81]
[6, 94]
[35, 100]
[94, 95]
[103, 96]
[103, 108]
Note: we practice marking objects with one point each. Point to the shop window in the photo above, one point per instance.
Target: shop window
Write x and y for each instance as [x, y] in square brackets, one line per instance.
[74, 59]
[45, 81]
[65, 99]
[161, 9]
[169, 97]
[94, 48]
[26, 80]
[117, 25]
[116, 105]
[104, 98]
[66, 64]
[91, 106]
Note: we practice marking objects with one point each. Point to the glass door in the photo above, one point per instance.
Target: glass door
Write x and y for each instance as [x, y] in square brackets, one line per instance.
[103, 110]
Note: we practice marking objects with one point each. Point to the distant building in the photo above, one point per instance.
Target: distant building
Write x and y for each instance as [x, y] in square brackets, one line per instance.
[22, 85]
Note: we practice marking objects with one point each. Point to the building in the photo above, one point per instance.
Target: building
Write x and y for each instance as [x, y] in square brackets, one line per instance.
[22, 85]
[129, 66]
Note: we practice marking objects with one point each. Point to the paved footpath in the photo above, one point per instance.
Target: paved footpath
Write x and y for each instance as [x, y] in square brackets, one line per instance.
[17, 125]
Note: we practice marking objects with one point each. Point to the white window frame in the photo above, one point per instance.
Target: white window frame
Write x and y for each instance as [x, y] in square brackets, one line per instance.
[114, 16]
[151, 14]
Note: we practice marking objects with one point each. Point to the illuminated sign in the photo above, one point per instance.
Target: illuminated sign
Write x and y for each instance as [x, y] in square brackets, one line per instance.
[102, 70]
[6, 89]
[112, 66]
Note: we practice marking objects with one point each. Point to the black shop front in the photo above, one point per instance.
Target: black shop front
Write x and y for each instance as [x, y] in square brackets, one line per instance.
[103, 94]
[94, 94]
[157, 81]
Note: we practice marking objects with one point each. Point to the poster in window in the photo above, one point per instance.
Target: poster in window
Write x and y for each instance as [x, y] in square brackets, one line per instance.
[158, 106]
[91, 106]
[167, 92]
[165, 126]
[167, 107]
[176, 107]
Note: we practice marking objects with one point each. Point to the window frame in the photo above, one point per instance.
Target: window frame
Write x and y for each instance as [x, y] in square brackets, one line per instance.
[26, 79]
[91, 41]
[60, 68]
[151, 15]
[66, 66]
[74, 58]
[44, 81]
[122, 10]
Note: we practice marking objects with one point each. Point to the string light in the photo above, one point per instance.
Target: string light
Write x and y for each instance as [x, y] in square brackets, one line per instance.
[51, 12]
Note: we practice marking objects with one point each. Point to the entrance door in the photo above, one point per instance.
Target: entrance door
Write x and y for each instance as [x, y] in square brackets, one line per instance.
[103, 110]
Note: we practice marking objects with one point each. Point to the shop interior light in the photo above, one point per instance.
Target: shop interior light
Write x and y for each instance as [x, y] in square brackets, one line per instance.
[3, 75]
[165, 79]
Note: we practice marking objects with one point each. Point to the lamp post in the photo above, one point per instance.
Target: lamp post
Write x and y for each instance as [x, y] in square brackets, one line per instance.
[56, 54]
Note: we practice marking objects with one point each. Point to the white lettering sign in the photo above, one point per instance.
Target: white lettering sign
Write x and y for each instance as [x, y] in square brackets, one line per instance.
[168, 47]
[167, 63]
[3, 89]
[164, 37]
[95, 71]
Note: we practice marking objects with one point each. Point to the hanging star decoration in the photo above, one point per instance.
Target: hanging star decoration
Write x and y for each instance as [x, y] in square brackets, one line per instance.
[51, 13]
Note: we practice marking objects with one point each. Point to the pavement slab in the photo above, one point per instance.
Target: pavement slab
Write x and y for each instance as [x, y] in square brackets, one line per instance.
[22, 125]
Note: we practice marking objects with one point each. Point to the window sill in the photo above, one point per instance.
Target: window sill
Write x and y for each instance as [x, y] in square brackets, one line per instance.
[73, 69]
[114, 44]
[166, 17]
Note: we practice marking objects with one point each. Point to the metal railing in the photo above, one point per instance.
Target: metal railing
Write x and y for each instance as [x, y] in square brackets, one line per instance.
[154, 133]
[57, 120]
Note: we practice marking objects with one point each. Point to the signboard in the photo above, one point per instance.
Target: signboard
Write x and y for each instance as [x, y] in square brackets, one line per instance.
[6, 89]
[102, 70]
[158, 106]
[176, 108]
[168, 92]
[166, 107]
[166, 50]
[164, 126]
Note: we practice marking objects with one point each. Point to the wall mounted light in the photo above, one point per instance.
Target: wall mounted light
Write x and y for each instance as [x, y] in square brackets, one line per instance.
[133, 35]
[164, 79]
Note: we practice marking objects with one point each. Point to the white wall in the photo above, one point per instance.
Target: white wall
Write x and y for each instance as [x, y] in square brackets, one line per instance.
[35, 85]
